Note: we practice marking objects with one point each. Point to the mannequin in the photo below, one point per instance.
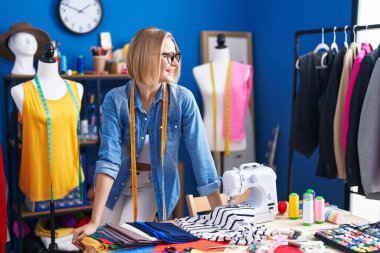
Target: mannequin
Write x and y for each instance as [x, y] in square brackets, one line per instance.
[203, 78]
[52, 84]
[23, 45]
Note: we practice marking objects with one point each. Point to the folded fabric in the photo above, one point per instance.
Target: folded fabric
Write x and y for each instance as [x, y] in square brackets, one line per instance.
[41, 231]
[89, 242]
[64, 243]
[172, 230]
[130, 234]
[233, 223]
[166, 232]
[139, 232]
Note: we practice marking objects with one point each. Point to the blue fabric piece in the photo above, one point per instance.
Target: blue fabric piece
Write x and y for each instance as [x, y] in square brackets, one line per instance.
[172, 231]
[144, 249]
[171, 235]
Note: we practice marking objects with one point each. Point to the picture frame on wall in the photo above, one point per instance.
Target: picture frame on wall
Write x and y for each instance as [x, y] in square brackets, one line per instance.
[239, 43]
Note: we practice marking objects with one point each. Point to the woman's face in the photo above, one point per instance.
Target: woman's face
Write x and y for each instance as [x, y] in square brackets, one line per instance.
[169, 61]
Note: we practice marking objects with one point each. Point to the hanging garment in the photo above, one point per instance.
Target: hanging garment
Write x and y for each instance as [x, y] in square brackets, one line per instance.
[3, 206]
[35, 172]
[365, 49]
[357, 99]
[326, 164]
[240, 94]
[348, 62]
[233, 223]
[369, 137]
[304, 136]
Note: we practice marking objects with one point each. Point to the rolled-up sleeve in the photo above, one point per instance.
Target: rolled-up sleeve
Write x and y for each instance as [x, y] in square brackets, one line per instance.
[110, 136]
[194, 135]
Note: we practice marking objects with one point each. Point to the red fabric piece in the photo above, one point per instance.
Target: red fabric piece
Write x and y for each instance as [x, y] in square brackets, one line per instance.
[199, 245]
[3, 206]
[287, 249]
[82, 221]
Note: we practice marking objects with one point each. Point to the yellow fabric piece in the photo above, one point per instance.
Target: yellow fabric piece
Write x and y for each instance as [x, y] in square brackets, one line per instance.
[89, 242]
[35, 173]
[41, 231]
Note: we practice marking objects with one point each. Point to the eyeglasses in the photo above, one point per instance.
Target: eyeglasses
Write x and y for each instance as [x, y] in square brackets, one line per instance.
[171, 55]
[172, 249]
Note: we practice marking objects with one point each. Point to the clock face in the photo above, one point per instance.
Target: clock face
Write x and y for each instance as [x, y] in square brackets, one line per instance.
[80, 16]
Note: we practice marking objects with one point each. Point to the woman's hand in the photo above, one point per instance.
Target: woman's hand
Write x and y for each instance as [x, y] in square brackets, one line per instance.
[82, 232]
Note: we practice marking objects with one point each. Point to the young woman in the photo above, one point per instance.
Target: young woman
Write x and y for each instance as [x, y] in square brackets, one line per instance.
[143, 122]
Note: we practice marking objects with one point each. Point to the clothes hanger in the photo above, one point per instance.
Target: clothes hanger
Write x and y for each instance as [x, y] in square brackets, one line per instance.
[353, 30]
[321, 45]
[345, 37]
[334, 45]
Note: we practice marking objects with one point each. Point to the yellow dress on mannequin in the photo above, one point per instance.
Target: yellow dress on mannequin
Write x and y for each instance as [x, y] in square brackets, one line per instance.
[34, 179]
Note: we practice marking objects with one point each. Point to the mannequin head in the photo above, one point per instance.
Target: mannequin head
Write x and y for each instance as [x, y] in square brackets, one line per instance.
[23, 44]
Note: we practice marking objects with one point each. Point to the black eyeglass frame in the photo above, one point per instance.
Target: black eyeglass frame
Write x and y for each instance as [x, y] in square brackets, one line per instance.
[171, 55]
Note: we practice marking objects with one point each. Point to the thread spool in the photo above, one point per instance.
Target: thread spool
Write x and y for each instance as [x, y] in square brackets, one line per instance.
[333, 216]
[312, 192]
[294, 211]
[307, 195]
[319, 210]
[308, 212]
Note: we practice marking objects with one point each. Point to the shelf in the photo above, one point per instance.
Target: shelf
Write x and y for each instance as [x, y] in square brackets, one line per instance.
[82, 143]
[72, 77]
[26, 213]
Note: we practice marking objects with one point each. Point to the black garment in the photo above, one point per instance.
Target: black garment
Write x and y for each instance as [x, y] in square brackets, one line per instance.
[327, 164]
[357, 100]
[304, 136]
[33, 244]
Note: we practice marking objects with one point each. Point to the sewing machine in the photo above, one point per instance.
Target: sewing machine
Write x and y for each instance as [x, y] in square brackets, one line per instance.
[260, 181]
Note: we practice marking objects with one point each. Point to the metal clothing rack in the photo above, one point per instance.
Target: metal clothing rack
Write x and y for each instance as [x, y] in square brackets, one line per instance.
[298, 34]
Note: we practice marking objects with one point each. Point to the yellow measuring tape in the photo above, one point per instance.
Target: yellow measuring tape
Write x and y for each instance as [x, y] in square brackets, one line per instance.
[133, 148]
[227, 109]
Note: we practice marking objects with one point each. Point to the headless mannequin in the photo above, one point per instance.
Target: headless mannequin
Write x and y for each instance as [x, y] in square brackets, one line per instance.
[53, 86]
[23, 46]
[203, 78]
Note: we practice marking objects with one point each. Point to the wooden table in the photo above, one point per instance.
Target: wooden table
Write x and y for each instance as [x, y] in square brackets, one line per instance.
[283, 222]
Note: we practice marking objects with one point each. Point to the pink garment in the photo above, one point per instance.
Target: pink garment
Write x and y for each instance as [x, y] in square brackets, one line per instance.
[239, 96]
[365, 49]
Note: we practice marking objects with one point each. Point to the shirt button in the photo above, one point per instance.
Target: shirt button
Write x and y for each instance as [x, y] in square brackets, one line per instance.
[160, 126]
[175, 126]
[142, 137]
[122, 184]
[146, 119]
[115, 197]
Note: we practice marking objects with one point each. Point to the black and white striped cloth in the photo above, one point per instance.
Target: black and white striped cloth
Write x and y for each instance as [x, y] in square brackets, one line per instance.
[234, 223]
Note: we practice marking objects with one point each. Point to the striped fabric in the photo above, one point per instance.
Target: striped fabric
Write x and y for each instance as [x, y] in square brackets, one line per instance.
[234, 223]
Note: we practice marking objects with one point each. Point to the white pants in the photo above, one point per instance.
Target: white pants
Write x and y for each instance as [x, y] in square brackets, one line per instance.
[123, 209]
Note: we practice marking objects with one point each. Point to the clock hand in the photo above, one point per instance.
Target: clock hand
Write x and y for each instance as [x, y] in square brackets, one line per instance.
[70, 7]
[84, 8]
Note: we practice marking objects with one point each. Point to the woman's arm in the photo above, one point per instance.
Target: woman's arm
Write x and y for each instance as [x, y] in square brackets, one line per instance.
[102, 190]
[194, 134]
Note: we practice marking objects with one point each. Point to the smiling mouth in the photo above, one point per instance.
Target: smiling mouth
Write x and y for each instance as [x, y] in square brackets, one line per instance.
[170, 71]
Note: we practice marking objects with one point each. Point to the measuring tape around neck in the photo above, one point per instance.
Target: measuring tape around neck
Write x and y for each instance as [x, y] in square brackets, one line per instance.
[48, 124]
[133, 148]
[227, 110]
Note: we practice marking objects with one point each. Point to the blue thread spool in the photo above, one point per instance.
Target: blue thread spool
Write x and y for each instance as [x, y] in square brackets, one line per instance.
[63, 65]
[80, 64]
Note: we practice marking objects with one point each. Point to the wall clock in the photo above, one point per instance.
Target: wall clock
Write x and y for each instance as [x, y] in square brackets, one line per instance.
[80, 16]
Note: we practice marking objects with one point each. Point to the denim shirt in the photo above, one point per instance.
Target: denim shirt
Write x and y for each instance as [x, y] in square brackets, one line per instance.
[184, 120]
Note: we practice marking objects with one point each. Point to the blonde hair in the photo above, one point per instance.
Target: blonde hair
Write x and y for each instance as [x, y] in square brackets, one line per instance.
[144, 55]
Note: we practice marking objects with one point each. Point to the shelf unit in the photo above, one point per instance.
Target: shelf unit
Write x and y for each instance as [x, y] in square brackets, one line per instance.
[14, 151]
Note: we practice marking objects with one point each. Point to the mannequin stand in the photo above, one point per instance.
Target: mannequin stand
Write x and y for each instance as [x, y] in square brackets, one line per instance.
[53, 247]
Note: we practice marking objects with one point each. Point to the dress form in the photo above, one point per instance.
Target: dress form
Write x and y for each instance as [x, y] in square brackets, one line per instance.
[51, 82]
[203, 78]
[23, 46]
